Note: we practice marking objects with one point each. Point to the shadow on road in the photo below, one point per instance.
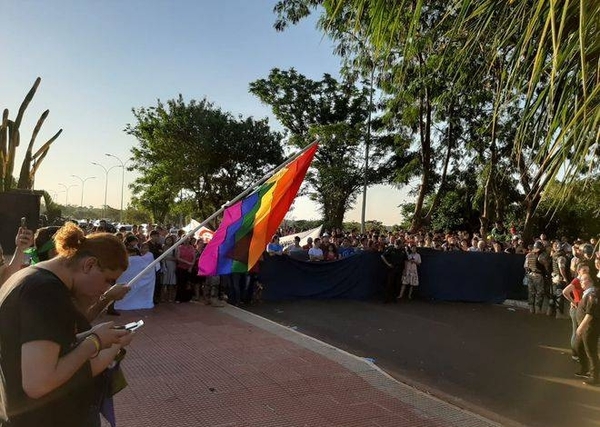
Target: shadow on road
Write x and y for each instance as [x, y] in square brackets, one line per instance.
[499, 361]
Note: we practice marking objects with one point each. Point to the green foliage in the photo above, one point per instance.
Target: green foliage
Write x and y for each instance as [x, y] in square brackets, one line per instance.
[304, 224]
[450, 214]
[507, 90]
[550, 54]
[50, 208]
[136, 216]
[201, 150]
[335, 113]
[56, 214]
[573, 215]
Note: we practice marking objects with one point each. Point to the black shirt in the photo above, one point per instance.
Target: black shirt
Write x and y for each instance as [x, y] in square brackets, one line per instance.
[36, 305]
[155, 248]
[589, 304]
[395, 256]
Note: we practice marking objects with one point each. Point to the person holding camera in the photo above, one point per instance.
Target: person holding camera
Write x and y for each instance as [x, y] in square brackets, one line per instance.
[23, 240]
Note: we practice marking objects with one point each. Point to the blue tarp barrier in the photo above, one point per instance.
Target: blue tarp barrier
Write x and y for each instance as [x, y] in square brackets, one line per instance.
[448, 276]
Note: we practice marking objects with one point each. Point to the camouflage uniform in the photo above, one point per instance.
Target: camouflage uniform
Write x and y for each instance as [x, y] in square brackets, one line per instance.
[559, 282]
[536, 265]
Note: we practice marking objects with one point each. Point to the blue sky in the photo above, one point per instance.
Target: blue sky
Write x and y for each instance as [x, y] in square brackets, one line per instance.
[98, 59]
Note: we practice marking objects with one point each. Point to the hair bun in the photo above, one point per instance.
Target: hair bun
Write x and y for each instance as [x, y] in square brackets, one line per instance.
[69, 239]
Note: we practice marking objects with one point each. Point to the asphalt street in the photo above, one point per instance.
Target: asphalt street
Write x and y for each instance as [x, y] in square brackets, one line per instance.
[495, 360]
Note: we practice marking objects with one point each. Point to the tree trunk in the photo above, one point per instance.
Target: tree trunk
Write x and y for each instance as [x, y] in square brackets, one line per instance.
[531, 204]
[333, 213]
[450, 146]
[425, 137]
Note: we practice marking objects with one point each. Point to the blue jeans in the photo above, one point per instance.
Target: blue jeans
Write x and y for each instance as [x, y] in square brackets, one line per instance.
[572, 312]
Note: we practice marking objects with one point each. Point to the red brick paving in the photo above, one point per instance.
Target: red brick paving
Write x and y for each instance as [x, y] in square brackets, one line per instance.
[195, 365]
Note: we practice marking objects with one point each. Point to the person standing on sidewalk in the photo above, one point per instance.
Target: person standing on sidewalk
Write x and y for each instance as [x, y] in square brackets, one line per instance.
[156, 248]
[588, 331]
[47, 359]
[537, 267]
[394, 257]
[185, 255]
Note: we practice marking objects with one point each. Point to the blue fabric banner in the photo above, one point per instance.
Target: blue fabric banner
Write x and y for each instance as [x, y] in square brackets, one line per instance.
[447, 276]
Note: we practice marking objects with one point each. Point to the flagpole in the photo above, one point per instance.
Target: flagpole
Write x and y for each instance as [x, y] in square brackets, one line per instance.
[218, 212]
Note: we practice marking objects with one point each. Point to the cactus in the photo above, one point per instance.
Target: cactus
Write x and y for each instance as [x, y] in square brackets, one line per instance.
[9, 141]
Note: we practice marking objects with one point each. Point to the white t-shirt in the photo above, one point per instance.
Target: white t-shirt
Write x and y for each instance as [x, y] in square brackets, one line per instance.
[315, 252]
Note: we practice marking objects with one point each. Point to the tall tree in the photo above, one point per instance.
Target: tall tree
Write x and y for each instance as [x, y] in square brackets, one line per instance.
[336, 113]
[534, 64]
[200, 149]
[551, 50]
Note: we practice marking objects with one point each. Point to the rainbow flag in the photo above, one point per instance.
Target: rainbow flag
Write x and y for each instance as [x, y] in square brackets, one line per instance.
[249, 224]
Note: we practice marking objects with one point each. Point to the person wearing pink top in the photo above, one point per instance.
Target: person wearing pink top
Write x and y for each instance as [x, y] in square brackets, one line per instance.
[185, 255]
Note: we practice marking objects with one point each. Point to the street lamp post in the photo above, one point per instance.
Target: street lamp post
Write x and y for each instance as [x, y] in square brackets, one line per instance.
[122, 182]
[106, 171]
[83, 180]
[67, 188]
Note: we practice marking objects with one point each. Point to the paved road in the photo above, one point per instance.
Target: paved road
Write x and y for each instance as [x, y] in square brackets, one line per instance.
[495, 360]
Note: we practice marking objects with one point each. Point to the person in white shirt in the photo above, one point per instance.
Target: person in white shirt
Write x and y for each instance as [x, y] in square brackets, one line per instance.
[316, 253]
[474, 245]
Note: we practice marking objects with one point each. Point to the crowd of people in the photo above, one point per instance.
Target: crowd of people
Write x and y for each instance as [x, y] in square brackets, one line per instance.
[77, 274]
[559, 274]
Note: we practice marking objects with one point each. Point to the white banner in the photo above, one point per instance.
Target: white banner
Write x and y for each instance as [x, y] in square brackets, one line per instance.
[204, 233]
[288, 240]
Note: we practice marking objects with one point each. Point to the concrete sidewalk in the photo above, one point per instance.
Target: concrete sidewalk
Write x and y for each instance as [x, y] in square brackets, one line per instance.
[195, 365]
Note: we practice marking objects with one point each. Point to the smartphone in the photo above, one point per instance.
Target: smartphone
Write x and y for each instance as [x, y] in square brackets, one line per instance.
[131, 326]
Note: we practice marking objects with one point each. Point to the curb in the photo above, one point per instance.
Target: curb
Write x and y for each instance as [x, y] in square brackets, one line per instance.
[516, 303]
[422, 401]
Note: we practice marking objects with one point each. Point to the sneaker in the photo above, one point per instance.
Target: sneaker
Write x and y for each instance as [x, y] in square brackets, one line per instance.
[582, 374]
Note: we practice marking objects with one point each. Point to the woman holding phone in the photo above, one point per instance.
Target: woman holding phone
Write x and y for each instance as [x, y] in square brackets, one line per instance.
[23, 240]
[49, 355]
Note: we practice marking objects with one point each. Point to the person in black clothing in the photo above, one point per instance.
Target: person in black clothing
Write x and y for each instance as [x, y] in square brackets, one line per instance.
[588, 331]
[394, 257]
[48, 356]
[156, 248]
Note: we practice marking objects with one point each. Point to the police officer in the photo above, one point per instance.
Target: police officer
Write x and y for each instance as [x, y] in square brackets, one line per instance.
[394, 257]
[537, 267]
[560, 279]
